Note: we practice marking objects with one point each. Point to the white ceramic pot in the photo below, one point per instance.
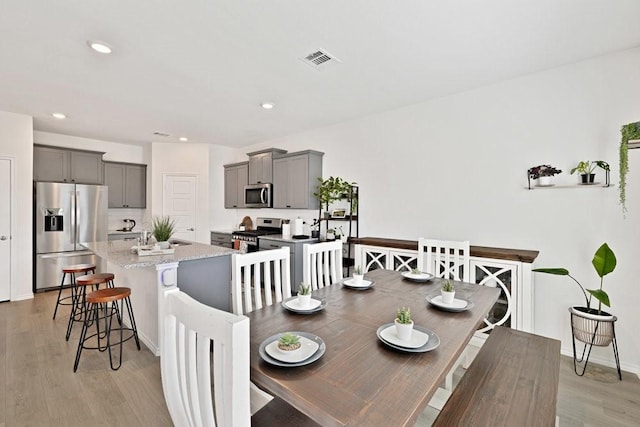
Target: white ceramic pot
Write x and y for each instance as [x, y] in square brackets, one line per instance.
[163, 245]
[357, 279]
[304, 301]
[403, 330]
[544, 181]
[447, 297]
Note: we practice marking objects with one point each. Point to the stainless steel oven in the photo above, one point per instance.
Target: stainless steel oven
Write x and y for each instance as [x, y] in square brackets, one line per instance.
[258, 195]
[248, 240]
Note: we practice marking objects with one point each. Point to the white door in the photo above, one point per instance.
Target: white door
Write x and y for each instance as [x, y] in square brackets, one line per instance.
[5, 229]
[179, 201]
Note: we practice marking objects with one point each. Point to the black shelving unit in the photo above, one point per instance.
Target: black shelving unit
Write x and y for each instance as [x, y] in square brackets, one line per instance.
[351, 219]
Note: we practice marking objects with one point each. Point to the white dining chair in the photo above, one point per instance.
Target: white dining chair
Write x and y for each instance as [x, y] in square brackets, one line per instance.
[443, 258]
[322, 264]
[260, 278]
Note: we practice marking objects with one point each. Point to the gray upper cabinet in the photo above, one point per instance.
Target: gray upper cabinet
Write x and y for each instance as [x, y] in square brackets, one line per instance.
[236, 176]
[64, 165]
[261, 165]
[295, 178]
[127, 184]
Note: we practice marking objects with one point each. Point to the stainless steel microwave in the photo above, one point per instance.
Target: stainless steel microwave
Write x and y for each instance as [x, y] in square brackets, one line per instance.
[258, 195]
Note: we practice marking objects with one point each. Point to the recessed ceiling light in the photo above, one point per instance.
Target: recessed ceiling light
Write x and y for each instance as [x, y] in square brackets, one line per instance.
[59, 116]
[267, 105]
[99, 46]
[184, 139]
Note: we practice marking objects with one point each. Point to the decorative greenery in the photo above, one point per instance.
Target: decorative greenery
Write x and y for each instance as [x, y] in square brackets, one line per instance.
[289, 341]
[543, 170]
[163, 228]
[332, 189]
[416, 271]
[403, 315]
[447, 286]
[304, 289]
[587, 167]
[604, 262]
[629, 132]
[357, 270]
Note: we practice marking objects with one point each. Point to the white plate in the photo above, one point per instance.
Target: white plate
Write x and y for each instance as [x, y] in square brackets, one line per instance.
[294, 304]
[306, 350]
[417, 277]
[432, 343]
[459, 304]
[350, 283]
[418, 338]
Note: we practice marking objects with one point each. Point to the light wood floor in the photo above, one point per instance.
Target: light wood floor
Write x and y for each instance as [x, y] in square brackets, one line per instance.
[38, 386]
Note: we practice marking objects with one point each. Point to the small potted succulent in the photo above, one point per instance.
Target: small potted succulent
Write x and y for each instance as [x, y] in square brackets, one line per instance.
[447, 291]
[586, 170]
[543, 174]
[404, 324]
[163, 228]
[289, 342]
[304, 295]
[358, 275]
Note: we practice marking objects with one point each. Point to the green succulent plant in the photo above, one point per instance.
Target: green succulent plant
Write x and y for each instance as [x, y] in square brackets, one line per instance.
[163, 228]
[447, 286]
[403, 315]
[357, 270]
[416, 271]
[304, 289]
[288, 339]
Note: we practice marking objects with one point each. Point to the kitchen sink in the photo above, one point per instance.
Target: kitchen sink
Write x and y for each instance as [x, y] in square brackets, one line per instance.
[179, 242]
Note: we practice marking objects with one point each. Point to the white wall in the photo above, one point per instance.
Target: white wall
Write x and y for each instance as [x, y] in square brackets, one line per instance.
[455, 168]
[188, 159]
[16, 141]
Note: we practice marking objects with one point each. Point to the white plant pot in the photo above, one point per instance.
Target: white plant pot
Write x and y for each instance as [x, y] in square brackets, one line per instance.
[544, 181]
[357, 279]
[403, 331]
[304, 301]
[163, 245]
[589, 326]
[447, 297]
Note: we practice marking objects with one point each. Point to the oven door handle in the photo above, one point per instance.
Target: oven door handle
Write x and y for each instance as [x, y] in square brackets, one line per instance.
[263, 192]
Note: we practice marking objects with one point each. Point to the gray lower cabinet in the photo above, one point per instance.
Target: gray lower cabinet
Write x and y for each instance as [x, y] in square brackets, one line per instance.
[64, 165]
[221, 239]
[296, 258]
[295, 177]
[236, 176]
[127, 184]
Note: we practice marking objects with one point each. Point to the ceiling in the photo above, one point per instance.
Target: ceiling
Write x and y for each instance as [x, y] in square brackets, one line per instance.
[201, 68]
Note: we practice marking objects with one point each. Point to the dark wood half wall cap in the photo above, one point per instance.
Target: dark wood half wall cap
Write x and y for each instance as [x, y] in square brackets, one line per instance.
[522, 255]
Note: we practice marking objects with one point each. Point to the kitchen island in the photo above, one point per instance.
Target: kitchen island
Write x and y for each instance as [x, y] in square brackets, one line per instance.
[201, 271]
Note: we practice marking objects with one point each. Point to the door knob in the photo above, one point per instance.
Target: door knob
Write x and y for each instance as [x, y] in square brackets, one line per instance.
[3, 237]
[191, 229]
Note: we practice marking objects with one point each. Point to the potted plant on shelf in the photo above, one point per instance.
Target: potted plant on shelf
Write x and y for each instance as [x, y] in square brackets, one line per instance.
[447, 291]
[592, 325]
[304, 295]
[404, 324]
[543, 174]
[630, 133]
[163, 228]
[586, 169]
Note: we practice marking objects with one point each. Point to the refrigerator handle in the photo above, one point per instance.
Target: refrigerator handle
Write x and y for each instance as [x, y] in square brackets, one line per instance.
[73, 215]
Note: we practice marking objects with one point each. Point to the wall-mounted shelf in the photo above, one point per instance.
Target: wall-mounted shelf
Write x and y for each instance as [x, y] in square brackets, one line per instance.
[554, 186]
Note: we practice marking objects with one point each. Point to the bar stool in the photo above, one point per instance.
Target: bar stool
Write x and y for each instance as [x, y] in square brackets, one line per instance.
[71, 270]
[80, 303]
[101, 299]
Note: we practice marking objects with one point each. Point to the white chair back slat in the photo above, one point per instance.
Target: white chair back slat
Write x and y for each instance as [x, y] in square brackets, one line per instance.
[189, 331]
[445, 259]
[260, 278]
[322, 264]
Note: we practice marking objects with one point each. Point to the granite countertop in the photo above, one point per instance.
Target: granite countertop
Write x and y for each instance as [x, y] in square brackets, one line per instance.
[288, 239]
[119, 252]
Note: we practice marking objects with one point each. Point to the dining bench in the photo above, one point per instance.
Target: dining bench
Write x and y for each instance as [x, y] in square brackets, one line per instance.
[513, 380]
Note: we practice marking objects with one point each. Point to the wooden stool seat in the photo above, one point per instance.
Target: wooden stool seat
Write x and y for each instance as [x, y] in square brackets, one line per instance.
[95, 279]
[71, 270]
[108, 295]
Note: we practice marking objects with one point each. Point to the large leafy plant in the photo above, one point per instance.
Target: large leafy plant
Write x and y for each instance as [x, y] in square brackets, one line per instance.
[332, 189]
[604, 262]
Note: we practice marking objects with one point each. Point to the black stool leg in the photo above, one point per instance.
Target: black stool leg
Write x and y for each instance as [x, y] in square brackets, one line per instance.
[77, 309]
[60, 294]
[83, 334]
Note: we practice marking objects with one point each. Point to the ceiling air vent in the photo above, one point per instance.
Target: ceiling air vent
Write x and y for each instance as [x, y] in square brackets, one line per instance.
[320, 59]
[166, 135]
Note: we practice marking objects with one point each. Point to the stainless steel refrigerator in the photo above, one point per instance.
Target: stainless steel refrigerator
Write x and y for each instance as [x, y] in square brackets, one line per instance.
[66, 215]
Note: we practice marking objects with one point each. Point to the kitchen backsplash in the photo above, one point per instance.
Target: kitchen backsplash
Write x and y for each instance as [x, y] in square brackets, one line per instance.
[116, 217]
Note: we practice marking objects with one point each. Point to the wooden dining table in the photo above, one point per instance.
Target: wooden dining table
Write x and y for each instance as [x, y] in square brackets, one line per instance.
[360, 380]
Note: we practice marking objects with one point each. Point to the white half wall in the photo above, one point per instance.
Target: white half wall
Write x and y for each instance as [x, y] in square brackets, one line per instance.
[455, 168]
[16, 141]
